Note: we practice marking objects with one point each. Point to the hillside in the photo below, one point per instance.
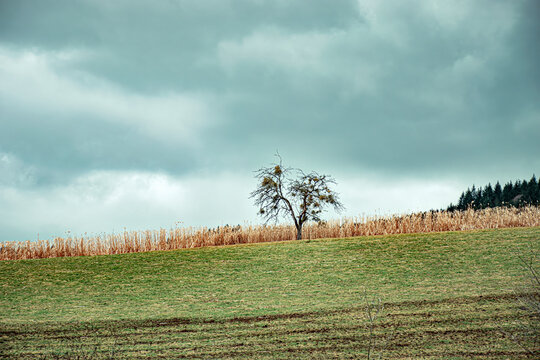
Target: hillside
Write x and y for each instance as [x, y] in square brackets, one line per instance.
[449, 294]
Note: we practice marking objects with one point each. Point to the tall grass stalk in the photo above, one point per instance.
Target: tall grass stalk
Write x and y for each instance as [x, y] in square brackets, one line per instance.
[189, 237]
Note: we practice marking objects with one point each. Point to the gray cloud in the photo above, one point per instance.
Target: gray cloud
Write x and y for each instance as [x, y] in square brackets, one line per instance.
[416, 90]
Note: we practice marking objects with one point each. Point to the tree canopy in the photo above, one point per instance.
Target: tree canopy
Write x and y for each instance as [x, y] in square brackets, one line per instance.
[288, 192]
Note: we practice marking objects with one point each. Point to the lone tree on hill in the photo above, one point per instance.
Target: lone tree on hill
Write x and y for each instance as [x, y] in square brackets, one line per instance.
[291, 192]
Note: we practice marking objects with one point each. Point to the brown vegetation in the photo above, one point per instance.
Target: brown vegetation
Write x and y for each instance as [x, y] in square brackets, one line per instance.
[178, 238]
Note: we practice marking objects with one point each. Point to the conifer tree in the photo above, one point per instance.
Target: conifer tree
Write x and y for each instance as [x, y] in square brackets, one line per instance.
[479, 199]
[461, 202]
[507, 193]
[516, 191]
[467, 199]
[497, 195]
[488, 198]
[532, 191]
[524, 199]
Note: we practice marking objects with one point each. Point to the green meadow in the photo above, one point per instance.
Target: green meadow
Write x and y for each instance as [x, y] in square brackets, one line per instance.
[443, 295]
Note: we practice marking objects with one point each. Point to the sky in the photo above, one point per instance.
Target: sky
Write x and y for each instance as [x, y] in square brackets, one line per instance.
[139, 115]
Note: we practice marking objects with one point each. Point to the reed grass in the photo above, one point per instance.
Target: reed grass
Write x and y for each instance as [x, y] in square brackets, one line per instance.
[189, 237]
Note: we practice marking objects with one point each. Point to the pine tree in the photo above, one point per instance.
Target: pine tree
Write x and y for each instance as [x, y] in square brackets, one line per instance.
[488, 198]
[468, 198]
[461, 203]
[507, 193]
[479, 199]
[532, 191]
[516, 191]
[474, 196]
[538, 197]
[525, 199]
[497, 195]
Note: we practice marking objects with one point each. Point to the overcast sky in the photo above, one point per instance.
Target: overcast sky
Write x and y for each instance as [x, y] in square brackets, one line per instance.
[139, 114]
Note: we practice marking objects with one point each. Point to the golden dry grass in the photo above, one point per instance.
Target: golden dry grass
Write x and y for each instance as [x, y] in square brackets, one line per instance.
[178, 238]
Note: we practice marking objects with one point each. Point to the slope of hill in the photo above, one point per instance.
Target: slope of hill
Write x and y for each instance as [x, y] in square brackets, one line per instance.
[449, 294]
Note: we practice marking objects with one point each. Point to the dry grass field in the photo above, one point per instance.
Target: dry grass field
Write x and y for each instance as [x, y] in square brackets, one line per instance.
[180, 238]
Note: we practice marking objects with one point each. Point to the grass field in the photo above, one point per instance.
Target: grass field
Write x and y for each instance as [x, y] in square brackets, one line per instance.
[446, 295]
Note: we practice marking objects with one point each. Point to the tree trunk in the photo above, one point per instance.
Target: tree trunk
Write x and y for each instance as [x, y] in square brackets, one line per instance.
[299, 233]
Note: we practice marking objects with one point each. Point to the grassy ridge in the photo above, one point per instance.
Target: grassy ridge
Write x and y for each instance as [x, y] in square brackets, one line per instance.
[446, 294]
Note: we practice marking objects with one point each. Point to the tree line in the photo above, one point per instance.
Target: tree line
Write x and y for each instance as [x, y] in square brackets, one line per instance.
[518, 193]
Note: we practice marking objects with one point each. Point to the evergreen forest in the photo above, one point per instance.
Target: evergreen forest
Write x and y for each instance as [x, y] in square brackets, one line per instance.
[518, 193]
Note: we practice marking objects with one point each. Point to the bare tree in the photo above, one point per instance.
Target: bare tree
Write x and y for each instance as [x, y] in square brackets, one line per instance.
[291, 192]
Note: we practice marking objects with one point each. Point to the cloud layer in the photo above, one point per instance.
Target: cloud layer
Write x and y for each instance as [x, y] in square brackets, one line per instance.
[96, 96]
